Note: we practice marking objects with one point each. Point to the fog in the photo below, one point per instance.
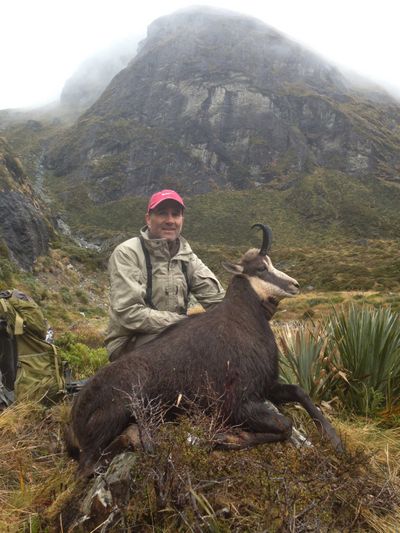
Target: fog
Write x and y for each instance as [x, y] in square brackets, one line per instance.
[43, 43]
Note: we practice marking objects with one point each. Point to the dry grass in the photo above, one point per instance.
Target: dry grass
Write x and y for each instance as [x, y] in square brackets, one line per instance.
[383, 449]
[38, 486]
[33, 467]
[318, 305]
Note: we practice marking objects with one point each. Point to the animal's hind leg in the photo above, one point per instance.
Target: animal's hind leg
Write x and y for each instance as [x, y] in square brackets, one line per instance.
[283, 393]
[264, 424]
[89, 461]
[132, 438]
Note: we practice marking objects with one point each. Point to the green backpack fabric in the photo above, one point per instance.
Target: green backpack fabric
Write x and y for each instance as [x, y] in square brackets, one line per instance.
[39, 374]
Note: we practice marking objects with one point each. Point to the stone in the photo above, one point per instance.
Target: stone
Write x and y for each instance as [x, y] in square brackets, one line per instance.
[217, 99]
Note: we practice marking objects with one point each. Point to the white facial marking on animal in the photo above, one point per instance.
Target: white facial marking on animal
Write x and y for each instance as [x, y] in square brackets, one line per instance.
[263, 288]
[283, 287]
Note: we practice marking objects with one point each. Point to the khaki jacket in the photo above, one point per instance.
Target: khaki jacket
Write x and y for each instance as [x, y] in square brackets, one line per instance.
[130, 319]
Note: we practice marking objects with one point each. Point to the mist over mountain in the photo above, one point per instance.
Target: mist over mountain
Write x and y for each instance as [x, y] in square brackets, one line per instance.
[93, 75]
[214, 99]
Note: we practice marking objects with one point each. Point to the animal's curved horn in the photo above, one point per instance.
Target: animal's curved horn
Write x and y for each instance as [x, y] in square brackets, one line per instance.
[267, 238]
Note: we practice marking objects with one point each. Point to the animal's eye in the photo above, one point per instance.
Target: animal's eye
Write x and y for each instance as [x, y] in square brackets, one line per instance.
[261, 269]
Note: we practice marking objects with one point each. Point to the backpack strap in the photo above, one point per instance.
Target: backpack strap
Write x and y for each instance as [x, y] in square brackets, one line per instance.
[58, 371]
[19, 321]
[185, 273]
[19, 324]
[149, 289]
[8, 352]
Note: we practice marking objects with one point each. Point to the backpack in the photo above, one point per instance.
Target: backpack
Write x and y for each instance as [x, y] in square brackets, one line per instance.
[30, 367]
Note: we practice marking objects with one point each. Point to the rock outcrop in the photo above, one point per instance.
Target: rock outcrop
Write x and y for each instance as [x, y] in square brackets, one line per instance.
[216, 99]
[24, 228]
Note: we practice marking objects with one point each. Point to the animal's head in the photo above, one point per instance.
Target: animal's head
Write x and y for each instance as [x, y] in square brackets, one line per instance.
[266, 280]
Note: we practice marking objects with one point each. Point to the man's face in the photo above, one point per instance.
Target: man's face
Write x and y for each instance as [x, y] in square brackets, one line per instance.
[165, 221]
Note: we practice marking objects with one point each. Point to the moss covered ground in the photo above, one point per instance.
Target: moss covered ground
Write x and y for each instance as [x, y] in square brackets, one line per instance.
[182, 486]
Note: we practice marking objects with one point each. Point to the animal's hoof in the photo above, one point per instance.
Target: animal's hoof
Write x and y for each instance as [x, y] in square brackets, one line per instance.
[338, 446]
[334, 439]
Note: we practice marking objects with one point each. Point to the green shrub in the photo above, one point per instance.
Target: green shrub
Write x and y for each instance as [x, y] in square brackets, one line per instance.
[368, 344]
[83, 360]
[82, 296]
[6, 267]
[66, 295]
[306, 359]
[6, 273]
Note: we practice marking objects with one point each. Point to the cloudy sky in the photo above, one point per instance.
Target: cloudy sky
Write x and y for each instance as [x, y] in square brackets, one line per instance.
[42, 42]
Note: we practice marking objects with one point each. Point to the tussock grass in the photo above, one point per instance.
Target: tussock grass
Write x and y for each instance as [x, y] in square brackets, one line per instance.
[368, 343]
[383, 449]
[182, 487]
[306, 359]
[351, 356]
[33, 467]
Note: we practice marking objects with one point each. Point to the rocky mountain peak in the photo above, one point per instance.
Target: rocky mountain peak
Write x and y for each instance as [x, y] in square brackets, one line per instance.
[214, 99]
[239, 43]
[200, 18]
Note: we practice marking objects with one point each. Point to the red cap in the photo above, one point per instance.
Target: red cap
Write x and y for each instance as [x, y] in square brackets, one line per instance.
[161, 196]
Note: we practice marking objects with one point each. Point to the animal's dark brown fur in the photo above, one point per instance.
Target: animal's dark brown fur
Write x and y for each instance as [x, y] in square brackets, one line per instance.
[230, 349]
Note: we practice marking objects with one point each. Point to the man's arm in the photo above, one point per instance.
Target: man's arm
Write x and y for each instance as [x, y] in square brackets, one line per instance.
[204, 285]
[127, 292]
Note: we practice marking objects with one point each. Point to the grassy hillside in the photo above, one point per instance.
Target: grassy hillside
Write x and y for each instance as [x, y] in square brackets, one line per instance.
[330, 231]
[322, 207]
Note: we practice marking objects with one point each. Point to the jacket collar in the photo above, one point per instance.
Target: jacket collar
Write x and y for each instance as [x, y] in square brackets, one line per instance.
[159, 247]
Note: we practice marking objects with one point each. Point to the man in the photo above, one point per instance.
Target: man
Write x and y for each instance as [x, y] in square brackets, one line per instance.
[151, 277]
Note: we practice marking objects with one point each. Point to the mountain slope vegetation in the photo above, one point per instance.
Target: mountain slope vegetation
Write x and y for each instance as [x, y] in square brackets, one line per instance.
[214, 100]
[250, 127]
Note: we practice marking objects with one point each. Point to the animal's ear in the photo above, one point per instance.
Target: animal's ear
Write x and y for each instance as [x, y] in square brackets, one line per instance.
[233, 268]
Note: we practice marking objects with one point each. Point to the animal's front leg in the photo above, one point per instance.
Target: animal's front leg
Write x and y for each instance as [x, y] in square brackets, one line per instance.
[239, 440]
[260, 425]
[283, 393]
[296, 438]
